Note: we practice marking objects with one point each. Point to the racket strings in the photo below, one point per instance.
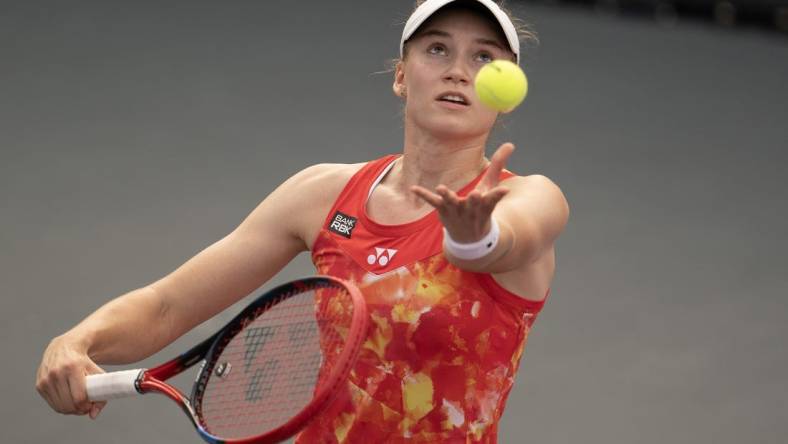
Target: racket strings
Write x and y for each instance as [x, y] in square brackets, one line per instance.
[271, 369]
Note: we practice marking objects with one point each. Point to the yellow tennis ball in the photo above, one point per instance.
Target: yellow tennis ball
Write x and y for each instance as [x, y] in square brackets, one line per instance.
[501, 85]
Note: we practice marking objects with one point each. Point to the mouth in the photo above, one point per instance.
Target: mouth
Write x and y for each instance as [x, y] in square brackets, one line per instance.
[455, 98]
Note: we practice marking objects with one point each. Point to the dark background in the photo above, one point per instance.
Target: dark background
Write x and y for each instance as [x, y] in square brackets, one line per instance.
[134, 134]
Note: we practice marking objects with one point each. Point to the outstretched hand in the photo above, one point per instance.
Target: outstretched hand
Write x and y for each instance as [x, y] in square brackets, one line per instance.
[467, 219]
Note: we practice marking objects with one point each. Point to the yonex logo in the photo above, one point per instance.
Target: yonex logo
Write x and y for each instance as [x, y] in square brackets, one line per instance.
[382, 256]
[255, 340]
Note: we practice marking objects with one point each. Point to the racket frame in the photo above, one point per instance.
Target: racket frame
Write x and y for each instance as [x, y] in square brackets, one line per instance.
[152, 380]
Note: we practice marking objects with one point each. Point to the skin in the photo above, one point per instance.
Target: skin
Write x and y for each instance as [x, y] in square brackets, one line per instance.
[443, 150]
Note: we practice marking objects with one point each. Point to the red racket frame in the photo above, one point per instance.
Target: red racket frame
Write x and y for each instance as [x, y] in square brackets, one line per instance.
[152, 380]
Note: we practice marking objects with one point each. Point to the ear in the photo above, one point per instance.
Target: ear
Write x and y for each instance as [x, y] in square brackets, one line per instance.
[399, 81]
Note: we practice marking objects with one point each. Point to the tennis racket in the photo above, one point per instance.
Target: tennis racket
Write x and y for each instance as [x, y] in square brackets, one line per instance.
[267, 372]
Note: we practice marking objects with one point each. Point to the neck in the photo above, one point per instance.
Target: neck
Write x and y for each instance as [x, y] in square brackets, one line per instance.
[429, 161]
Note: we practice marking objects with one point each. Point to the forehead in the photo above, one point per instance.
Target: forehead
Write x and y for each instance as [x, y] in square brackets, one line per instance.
[464, 21]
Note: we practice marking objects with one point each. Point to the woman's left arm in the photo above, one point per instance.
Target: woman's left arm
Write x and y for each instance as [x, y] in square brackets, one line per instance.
[530, 213]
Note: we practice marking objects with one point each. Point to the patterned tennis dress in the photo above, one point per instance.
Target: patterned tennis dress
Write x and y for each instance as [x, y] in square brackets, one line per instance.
[443, 345]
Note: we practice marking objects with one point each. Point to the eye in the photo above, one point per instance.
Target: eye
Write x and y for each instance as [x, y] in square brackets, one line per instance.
[437, 49]
[485, 57]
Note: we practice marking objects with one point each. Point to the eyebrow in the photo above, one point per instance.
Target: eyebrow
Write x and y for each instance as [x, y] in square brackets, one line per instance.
[482, 41]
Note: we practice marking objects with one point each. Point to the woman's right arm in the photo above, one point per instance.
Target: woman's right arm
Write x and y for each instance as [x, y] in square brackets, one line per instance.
[142, 322]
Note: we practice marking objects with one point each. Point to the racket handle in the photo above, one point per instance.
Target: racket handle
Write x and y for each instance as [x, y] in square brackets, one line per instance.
[113, 385]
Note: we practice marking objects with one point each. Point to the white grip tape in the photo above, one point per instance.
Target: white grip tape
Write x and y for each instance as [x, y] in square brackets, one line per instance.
[113, 385]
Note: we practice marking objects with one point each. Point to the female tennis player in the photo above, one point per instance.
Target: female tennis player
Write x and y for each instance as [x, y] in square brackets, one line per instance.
[454, 254]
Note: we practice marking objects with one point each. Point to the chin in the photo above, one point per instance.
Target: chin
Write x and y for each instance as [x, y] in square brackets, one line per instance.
[447, 128]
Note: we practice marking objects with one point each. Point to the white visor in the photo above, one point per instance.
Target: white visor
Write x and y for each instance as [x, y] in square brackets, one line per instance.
[425, 11]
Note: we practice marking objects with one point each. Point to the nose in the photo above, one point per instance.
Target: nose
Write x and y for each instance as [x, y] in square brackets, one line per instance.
[457, 72]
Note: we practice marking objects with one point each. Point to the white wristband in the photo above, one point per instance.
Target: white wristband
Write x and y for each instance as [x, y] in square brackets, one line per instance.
[474, 250]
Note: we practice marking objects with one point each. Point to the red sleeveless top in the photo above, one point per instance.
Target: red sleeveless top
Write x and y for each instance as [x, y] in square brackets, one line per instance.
[444, 343]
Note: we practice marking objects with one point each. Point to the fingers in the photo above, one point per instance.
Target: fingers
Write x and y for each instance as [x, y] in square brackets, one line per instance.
[475, 199]
[79, 398]
[449, 197]
[96, 409]
[502, 155]
[54, 388]
[41, 388]
[60, 380]
[443, 199]
[78, 389]
[497, 164]
[447, 201]
[492, 197]
[427, 195]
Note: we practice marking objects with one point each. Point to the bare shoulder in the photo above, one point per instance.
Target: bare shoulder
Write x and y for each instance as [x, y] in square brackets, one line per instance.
[539, 191]
[535, 183]
[323, 181]
[312, 192]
